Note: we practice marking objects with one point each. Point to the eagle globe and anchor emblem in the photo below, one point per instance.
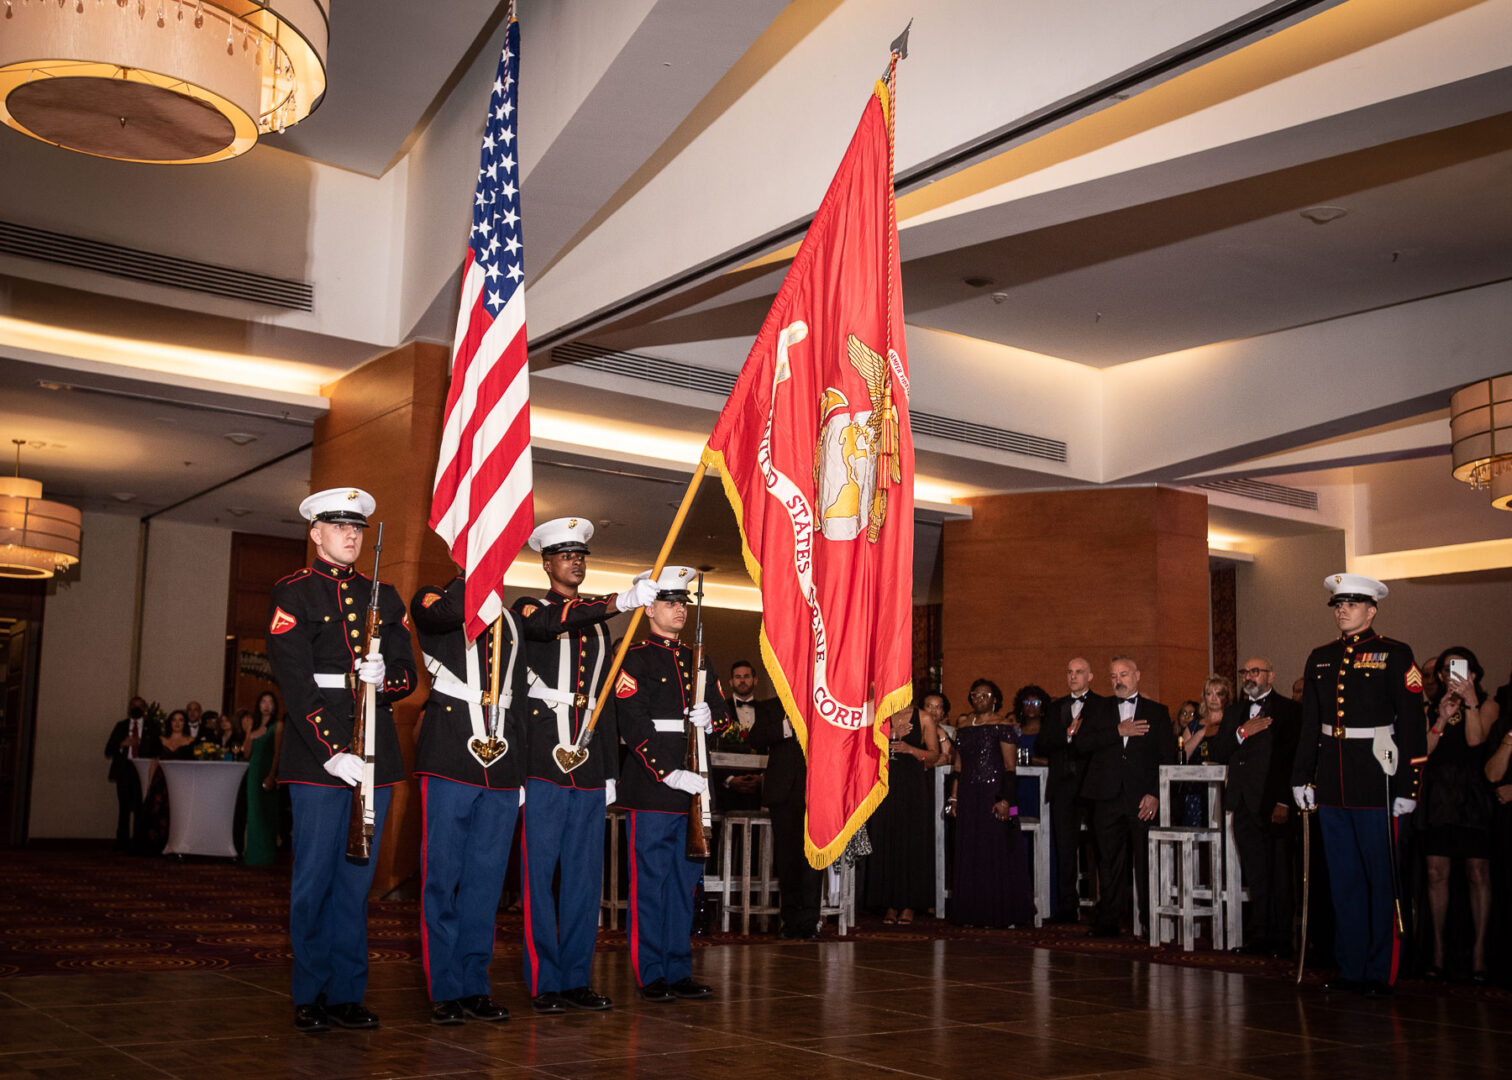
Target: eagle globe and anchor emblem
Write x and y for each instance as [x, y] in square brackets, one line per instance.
[850, 443]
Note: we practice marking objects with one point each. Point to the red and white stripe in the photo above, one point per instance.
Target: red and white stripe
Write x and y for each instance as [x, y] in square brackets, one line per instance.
[482, 507]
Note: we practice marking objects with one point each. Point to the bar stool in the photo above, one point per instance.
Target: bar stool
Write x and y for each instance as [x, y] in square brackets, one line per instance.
[746, 894]
[1177, 888]
[839, 896]
[610, 905]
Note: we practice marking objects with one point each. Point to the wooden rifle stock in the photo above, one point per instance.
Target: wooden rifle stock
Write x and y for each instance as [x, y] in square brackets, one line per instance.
[360, 820]
[700, 829]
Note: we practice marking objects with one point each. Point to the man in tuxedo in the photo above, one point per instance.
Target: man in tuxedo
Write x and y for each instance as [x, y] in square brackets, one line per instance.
[740, 789]
[194, 712]
[1128, 739]
[1057, 744]
[1257, 741]
[784, 790]
[130, 739]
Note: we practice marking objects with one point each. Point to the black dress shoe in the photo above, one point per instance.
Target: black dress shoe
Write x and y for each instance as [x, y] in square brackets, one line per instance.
[550, 1003]
[482, 1007]
[446, 1012]
[310, 1018]
[656, 990]
[1341, 985]
[1374, 988]
[583, 998]
[351, 1014]
[687, 988]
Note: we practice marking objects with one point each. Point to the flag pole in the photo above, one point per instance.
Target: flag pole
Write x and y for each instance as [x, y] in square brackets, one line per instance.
[624, 646]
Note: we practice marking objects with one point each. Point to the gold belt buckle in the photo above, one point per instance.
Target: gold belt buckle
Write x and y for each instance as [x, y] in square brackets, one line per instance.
[1338, 731]
[579, 701]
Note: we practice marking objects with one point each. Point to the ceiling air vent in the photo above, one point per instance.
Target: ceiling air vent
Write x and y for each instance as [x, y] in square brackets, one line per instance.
[155, 269]
[720, 383]
[1259, 489]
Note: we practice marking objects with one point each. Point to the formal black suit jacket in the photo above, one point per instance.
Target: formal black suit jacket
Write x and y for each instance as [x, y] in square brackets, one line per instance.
[786, 775]
[1259, 769]
[729, 742]
[1066, 760]
[1125, 773]
[115, 749]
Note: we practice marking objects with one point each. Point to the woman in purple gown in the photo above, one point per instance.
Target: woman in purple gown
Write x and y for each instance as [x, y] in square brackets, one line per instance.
[991, 885]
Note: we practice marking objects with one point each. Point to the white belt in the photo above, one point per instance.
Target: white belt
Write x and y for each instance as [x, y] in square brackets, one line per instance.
[443, 682]
[331, 680]
[669, 725]
[1355, 732]
[542, 692]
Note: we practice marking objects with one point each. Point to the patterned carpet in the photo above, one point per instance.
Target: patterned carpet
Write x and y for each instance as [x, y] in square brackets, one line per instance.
[64, 912]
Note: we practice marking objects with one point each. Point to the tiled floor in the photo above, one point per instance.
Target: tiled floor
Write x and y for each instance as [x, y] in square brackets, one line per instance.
[949, 1009]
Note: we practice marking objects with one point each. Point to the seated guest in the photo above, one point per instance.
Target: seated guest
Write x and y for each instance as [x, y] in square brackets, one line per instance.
[1456, 809]
[194, 715]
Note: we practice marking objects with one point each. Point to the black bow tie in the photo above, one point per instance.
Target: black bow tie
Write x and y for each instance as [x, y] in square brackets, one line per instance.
[1081, 697]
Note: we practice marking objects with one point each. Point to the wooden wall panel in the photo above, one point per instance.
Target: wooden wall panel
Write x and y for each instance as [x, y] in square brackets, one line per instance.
[1036, 578]
[382, 434]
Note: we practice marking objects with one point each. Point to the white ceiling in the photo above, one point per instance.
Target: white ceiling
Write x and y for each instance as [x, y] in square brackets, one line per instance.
[1192, 245]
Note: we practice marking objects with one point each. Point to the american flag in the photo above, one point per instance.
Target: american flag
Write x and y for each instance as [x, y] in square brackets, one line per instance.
[481, 506]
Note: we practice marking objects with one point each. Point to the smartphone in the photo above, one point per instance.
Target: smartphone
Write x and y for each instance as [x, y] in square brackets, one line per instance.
[1459, 668]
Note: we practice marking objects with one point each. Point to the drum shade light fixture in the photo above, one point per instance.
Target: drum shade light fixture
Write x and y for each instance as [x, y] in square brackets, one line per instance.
[161, 81]
[1480, 430]
[37, 538]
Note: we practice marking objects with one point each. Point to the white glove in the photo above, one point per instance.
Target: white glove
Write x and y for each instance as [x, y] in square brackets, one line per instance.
[683, 780]
[640, 594]
[1403, 806]
[345, 767]
[370, 668]
[1305, 796]
[700, 717]
[611, 792]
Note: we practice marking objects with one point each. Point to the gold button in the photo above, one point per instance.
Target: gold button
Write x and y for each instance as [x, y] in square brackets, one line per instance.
[326, 619]
[349, 599]
[343, 584]
[664, 678]
[1341, 712]
[351, 616]
[325, 732]
[448, 708]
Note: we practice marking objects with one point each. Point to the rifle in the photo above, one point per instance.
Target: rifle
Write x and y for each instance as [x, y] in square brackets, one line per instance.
[700, 821]
[360, 822]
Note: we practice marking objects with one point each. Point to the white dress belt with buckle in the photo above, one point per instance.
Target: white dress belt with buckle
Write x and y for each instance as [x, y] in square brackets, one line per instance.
[670, 725]
[331, 680]
[559, 697]
[1341, 732]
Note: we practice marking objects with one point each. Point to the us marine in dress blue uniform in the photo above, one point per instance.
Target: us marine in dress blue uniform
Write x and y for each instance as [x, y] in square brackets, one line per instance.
[1359, 761]
[568, 653]
[470, 793]
[654, 697]
[315, 646]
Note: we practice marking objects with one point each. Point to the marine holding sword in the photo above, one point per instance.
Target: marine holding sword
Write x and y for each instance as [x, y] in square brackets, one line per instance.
[662, 690]
[324, 660]
[1359, 762]
[570, 771]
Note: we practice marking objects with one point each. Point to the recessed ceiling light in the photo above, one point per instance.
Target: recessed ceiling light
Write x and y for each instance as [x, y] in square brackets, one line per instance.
[1322, 215]
[240, 438]
[123, 496]
[238, 511]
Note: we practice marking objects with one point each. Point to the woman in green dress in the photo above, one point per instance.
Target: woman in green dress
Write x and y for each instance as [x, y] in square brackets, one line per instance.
[259, 748]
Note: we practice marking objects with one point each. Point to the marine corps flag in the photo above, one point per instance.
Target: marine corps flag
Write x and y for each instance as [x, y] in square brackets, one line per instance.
[817, 460]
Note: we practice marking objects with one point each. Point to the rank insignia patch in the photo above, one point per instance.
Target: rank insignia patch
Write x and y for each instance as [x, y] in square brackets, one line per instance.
[1414, 679]
[429, 599]
[625, 685]
[529, 609]
[282, 622]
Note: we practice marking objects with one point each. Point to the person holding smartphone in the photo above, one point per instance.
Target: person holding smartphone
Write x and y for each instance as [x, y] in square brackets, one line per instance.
[1458, 806]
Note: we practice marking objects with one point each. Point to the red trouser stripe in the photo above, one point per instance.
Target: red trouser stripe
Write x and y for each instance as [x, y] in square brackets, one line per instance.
[530, 949]
[424, 834]
[634, 937]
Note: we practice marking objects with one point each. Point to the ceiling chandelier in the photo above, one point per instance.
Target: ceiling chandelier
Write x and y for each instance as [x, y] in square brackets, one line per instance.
[37, 538]
[1480, 432]
[163, 81]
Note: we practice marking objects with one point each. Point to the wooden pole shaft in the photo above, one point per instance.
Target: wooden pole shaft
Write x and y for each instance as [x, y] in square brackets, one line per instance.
[661, 561]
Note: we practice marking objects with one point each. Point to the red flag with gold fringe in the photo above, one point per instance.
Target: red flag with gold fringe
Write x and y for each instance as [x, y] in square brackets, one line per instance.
[816, 457]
